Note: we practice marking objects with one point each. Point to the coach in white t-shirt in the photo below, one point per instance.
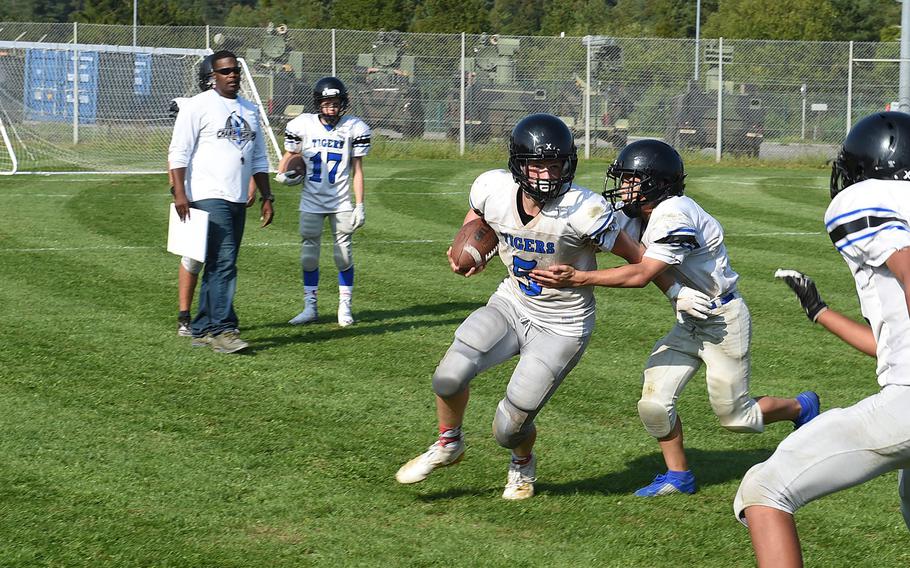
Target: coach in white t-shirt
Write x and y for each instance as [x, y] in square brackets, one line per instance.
[216, 147]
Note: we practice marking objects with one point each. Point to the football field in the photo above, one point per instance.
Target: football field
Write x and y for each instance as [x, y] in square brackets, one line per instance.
[120, 445]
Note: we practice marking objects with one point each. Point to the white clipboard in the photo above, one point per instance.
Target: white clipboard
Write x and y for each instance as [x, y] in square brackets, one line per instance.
[188, 238]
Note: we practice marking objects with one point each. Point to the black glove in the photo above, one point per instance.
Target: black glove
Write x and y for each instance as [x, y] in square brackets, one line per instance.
[804, 288]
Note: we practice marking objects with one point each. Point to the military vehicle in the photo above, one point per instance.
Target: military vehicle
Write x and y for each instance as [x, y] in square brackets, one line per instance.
[384, 92]
[494, 99]
[693, 114]
[276, 70]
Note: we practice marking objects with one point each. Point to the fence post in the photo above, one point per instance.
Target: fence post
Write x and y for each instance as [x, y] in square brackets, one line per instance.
[461, 102]
[587, 99]
[208, 36]
[333, 52]
[720, 98]
[75, 83]
[850, 90]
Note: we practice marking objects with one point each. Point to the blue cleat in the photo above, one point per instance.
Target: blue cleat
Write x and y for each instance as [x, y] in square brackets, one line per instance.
[810, 406]
[669, 483]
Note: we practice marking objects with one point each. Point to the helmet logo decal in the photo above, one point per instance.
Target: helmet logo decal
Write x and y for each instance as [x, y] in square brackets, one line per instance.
[330, 92]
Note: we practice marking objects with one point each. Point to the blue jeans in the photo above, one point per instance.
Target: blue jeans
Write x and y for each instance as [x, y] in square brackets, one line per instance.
[219, 281]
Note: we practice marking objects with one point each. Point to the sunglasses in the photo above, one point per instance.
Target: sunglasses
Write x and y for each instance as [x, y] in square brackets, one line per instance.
[227, 70]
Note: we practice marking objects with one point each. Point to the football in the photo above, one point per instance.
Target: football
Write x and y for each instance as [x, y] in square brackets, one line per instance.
[296, 164]
[474, 245]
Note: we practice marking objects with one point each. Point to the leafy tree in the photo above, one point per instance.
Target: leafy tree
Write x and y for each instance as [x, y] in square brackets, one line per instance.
[372, 14]
[576, 17]
[516, 17]
[305, 14]
[444, 16]
[866, 20]
[773, 19]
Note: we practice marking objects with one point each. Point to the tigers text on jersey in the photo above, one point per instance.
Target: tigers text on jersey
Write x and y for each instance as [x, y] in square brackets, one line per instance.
[219, 142]
[867, 222]
[683, 235]
[328, 152]
[568, 230]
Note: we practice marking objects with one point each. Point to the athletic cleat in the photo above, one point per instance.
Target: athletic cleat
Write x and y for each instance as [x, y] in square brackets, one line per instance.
[520, 483]
[668, 484]
[228, 342]
[438, 455]
[183, 328]
[308, 315]
[810, 406]
[345, 318]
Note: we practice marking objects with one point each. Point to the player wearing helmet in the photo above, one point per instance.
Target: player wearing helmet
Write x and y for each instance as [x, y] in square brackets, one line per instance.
[684, 245]
[868, 221]
[333, 145]
[541, 218]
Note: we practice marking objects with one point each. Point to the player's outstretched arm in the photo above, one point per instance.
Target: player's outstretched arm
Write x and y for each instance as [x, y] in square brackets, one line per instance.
[629, 276]
[855, 334]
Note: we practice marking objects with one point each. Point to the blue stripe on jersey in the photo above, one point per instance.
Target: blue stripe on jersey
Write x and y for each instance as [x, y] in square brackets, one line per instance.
[682, 230]
[854, 212]
[870, 235]
[594, 234]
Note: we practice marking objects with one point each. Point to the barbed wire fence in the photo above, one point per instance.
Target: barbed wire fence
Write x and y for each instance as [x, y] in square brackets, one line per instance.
[769, 99]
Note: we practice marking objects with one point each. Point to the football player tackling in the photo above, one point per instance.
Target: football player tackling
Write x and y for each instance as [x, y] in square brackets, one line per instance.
[685, 245]
[868, 221]
[541, 218]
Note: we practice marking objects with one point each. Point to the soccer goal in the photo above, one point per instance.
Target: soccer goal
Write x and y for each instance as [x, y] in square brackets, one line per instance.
[107, 114]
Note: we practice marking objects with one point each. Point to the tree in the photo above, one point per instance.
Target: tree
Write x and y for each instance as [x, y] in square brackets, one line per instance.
[372, 14]
[444, 16]
[576, 18]
[866, 20]
[773, 19]
[516, 17]
[302, 14]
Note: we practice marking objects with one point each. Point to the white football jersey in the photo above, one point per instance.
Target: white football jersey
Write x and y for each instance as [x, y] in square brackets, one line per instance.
[568, 230]
[328, 152]
[685, 236]
[867, 222]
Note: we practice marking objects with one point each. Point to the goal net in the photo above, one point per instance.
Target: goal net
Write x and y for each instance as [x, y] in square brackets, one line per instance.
[108, 114]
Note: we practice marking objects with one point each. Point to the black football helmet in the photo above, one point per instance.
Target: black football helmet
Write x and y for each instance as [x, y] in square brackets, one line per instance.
[877, 147]
[653, 171]
[205, 74]
[327, 88]
[542, 137]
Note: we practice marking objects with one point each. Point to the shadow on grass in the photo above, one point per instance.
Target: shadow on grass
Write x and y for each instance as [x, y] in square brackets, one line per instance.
[369, 322]
[711, 467]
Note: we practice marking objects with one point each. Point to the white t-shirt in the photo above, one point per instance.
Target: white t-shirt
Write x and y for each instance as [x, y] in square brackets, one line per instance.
[568, 230]
[328, 152]
[219, 142]
[683, 235]
[867, 223]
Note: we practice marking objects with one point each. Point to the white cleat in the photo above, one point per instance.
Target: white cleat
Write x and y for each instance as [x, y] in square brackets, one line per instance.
[345, 317]
[520, 484]
[308, 315]
[438, 455]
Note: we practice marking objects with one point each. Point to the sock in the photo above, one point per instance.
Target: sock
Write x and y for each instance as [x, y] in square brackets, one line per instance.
[183, 315]
[345, 293]
[310, 292]
[448, 435]
[521, 460]
[679, 474]
[346, 277]
[310, 278]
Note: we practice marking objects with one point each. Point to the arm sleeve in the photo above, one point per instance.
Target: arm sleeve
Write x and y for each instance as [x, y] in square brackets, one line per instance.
[360, 139]
[673, 236]
[293, 138]
[480, 190]
[183, 139]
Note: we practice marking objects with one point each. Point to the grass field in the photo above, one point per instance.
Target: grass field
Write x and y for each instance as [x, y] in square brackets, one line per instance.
[122, 446]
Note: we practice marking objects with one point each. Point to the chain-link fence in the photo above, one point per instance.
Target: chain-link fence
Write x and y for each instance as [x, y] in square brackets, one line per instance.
[769, 99]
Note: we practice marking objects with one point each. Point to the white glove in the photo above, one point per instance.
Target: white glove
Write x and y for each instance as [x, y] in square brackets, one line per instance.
[692, 303]
[358, 216]
[289, 178]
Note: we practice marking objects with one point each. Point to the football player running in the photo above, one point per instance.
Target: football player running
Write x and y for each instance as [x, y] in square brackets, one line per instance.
[868, 221]
[541, 218]
[333, 145]
[684, 244]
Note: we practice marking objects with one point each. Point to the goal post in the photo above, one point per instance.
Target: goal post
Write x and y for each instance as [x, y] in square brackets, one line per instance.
[94, 108]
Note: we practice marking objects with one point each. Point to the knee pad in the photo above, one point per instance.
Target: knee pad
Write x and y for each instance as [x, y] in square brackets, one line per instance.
[743, 416]
[309, 255]
[657, 417]
[760, 486]
[191, 265]
[344, 254]
[511, 425]
[455, 371]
